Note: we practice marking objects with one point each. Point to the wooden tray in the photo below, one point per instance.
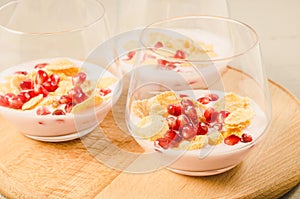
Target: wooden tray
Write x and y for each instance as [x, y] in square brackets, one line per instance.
[32, 169]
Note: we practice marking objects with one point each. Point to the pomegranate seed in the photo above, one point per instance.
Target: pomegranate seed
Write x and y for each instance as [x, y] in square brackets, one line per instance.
[79, 79]
[52, 83]
[77, 95]
[181, 121]
[58, 112]
[180, 54]
[217, 126]
[222, 116]
[21, 73]
[214, 117]
[162, 62]
[4, 101]
[183, 95]
[40, 89]
[130, 55]
[69, 107]
[162, 142]
[43, 111]
[172, 123]
[64, 99]
[158, 45]
[41, 77]
[246, 138]
[170, 134]
[188, 132]
[16, 102]
[174, 109]
[187, 102]
[171, 66]
[202, 128]
[203, 100]
[208, 114]
[104, 91]
[191, 113]
[9, 95]
[212, 97]
[26, 84]
[42, 65]
[232, 140]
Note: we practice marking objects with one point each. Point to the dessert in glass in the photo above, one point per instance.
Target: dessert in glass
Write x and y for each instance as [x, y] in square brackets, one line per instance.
[50, 87]
[198, 93]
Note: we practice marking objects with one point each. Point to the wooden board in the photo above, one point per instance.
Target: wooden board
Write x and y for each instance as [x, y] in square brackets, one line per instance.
[32, 169]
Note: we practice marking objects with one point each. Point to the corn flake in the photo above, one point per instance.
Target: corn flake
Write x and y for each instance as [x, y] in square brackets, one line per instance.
[230, 102]
[33, 102]
[141, 108]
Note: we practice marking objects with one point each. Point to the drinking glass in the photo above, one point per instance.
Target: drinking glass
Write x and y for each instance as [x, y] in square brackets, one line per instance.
[48, 38]
[133, 14]
[198, 93]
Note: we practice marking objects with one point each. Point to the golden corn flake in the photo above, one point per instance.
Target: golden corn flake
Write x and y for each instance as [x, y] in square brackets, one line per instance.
[105, 82]
[230, 102]
[233, 131]
[199, 142]
[152, 126]
[65, 67]
[215, 138]
[239, 116]
[141, 108]
[33, 102]
[92, 101]
[157, 109]
[240, 126]
[63, 87]
[166, 98]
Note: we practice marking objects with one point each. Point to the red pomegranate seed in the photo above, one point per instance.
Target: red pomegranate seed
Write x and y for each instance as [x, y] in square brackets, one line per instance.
[162, 142]
[26, 84]
[222, 116]
[130, 55]
[181, 121]
[162, 62]
[52, 83]
[174, 109]
[64, 99]
[180, 54]
[214, 117]
[187, 102]
[42, 65]
[208, 114]
[212, 97]
[79, 79]
[16, 102]
[203, 100]
[69, 107]
[232, 140]
[172, 123]
[58, 112]
[40, 89]
[41, 77]
[217, 126]
[191, 113]
[104, 91]
[43, 111]
[246, 138]
[77, 95]
[21, 73]
[202, 128]
[188, 132]
[183, 95]
[4, 101]
[170, 134]
[158, 45]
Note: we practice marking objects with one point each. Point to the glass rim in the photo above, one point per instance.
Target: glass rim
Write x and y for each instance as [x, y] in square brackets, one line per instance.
[211, 17]
[77, 29]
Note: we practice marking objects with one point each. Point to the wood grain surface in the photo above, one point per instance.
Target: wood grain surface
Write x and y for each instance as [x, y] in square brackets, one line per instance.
[32, 169]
